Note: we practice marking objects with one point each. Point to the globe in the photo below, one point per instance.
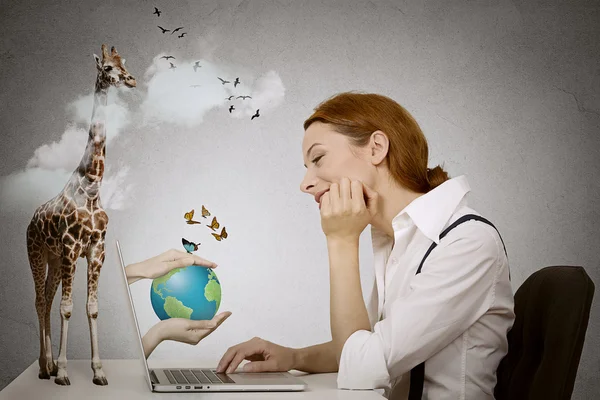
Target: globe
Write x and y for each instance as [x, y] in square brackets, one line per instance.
[190, 292]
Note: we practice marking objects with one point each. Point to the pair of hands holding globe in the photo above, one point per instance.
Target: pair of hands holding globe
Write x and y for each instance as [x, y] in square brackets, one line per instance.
[177, 329]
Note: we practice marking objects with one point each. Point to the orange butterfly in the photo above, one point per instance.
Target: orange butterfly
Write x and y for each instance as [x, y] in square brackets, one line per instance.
[222, 236]
[205, 212]
[214, 224]
[188, 216]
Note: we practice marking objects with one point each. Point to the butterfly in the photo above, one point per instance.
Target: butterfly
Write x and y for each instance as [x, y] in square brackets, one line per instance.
[222, 236]
[189, 246]
[189, 216]
[214, 225]
[205, 212]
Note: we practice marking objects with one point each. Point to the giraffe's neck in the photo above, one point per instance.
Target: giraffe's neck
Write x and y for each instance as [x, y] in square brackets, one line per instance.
[91, 167]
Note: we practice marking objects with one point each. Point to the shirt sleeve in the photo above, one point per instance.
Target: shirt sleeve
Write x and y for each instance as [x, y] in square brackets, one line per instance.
[454, 289]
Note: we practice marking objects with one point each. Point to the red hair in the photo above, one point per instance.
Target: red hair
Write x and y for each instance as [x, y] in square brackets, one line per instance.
[358, 115]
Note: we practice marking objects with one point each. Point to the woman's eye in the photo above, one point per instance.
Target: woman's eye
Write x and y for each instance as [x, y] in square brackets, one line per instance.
[316, 159]
[107, 68]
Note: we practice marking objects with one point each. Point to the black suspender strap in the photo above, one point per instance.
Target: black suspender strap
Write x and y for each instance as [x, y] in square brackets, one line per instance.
[417, 374]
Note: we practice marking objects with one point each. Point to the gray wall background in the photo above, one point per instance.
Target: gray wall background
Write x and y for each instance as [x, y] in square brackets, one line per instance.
[507, 92]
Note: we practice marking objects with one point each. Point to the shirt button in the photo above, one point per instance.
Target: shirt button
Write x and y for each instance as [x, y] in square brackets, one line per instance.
[394, 260]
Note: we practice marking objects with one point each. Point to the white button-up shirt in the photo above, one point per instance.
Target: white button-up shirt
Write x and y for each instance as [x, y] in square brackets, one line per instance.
[454, 315]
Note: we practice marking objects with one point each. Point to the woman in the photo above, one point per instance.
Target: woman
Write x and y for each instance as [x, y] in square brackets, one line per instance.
[366, 161]
[177, 329]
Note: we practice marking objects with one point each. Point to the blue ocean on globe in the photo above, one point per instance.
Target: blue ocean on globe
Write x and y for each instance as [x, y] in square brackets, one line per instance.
[190, 292]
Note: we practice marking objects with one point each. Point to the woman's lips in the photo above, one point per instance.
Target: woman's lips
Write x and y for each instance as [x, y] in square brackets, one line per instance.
[319, 195]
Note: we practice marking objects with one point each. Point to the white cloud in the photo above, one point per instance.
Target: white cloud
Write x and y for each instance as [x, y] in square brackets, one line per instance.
[64, 154]
[114, 191]
[169, 97]
[172, 99]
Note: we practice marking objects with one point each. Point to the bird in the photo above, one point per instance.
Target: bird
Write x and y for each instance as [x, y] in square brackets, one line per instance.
[231, 108]
[167, 57]
[177, 29]
[230, 97]
[172, 65]
[223, 81]
[156, 11]
[163, 29]
[180, 36]
[255, 115]
[243, 97]
[194, 85]
[237, 81]
[196, 66]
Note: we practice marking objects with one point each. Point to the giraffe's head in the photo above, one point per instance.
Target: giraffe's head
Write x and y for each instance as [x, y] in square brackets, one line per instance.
[111, 68]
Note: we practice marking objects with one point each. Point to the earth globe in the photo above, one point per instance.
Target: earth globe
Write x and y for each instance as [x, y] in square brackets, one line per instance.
[191, 292]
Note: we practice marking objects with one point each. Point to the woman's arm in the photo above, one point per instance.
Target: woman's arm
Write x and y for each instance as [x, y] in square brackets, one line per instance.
[316, 359]
[348, 313]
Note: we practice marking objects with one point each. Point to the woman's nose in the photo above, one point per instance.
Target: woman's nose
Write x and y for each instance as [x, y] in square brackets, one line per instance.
[306, 185]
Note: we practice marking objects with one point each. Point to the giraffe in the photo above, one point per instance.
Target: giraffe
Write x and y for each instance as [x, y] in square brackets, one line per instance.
[72, 225]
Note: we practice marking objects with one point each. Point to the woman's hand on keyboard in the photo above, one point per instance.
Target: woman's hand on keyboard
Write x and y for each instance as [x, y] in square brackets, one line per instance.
[263, 355]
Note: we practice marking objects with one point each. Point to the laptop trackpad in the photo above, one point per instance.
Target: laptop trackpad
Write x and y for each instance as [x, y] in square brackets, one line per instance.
[259, 378]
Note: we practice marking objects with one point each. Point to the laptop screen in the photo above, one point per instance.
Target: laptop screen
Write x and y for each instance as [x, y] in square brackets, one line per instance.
[133, 316]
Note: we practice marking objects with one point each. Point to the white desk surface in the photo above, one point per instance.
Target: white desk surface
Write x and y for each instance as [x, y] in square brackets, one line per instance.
[126, 381]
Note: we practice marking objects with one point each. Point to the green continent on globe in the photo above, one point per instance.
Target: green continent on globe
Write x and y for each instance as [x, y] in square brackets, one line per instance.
[175, 308]
[212, 290]
[162, 280]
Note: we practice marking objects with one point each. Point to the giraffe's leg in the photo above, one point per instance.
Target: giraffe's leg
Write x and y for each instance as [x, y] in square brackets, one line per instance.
[37, 262]
[68, 264]
[52, 281]
[95, 261]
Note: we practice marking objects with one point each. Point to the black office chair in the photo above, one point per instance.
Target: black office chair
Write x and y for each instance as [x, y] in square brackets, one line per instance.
[552, 308]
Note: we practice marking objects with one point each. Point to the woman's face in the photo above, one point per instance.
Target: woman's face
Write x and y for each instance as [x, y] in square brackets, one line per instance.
[329, 156]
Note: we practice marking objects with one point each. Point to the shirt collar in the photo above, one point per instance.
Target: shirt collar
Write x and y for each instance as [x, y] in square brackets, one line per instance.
[431, 211]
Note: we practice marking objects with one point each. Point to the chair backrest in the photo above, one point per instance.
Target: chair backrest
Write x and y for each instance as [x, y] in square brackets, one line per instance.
[552, 308]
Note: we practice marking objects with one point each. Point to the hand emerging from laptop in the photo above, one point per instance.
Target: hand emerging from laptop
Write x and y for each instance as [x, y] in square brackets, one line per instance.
[263, 355]
[177, 329]
[181, 330]
[163, 263]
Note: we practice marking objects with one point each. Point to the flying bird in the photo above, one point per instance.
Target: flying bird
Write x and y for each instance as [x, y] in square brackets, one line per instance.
[196, 66]
[180, 36]
[230, 97]
[223, 81]
[237, 81]
[172, 65]
[177, 29]
[167, 57]
[156, 11]
[163, 29]
[231, 109]
[243, 97]
[255, 115]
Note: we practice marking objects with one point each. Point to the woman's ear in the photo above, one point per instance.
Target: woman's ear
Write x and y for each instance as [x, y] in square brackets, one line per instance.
[379, 145]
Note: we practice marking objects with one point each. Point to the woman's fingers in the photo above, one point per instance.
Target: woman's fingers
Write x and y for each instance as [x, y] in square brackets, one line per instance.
[358, 200]
[261, 366]
[345, 194]
[236, 354]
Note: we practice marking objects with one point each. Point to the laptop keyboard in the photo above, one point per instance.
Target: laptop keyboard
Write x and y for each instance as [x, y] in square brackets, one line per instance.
[192, 376]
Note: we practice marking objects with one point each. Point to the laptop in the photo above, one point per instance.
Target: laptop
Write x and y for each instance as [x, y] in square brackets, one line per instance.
[207, 379]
